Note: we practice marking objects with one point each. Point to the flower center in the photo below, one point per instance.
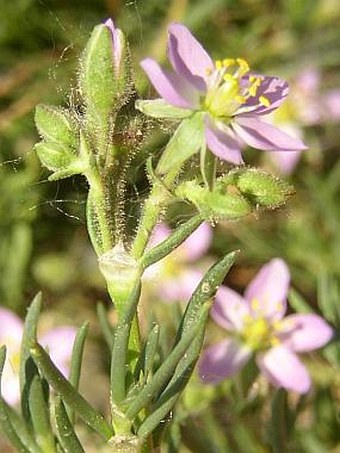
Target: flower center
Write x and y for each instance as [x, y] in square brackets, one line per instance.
[231, 86]
[258, 332]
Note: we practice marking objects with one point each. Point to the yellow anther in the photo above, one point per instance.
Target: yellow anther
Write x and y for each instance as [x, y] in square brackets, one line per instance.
[244, 66]
[227, 62]
[240, 99]
[218, 64]
[266, 103]
[252, 90]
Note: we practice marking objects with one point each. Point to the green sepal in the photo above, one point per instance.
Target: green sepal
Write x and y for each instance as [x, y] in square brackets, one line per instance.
[97, 76]
[5, 421]
[40, 416]
[159, 108]
[186, 141]
[28, 369]
[176, 238]
[67, 437]
[215, 205]
[69, 394]
[56, 125]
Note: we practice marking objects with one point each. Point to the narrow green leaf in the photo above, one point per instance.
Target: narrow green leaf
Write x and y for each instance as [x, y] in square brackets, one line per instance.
[159, 108]
[147, 356]
[176, 385]
[120, 347]
[107, 329]
[76, 360]
[22, 429]
[77, 355]
[279, 422]
[67, 436]
[205, 291]
[28, 368]
[69, 394]
[40, 416]
[186, 141]
[163, 374]
[4, 418]
[297, 302]
[171, 242]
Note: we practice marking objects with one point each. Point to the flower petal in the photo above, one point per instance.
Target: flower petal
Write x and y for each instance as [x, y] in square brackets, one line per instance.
[305, 332]
[274, 89]
[180, 287]
[59, 343]
[229, 309]
[283, 369]
[188, 57]
[222, 360]
[197, 243]
[222, 143]
[261, 135]
[11, 330]
[267, 292]
[170, 86]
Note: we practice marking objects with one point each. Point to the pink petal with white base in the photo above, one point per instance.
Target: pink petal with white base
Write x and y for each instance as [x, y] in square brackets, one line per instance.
[170, 86]
[283, 369]
[188, 57]
[229, 309]
[222, 360]
[268, 290]
[261, 135]
[222, 143]
[305, 332]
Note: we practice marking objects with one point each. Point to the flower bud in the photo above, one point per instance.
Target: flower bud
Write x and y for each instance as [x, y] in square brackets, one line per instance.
[104, 71]
[263, 188]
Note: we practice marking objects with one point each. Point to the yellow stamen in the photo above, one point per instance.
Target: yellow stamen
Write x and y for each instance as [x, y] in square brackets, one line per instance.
[264, 101]
[244, 66]
[218, 64]
[227, 62]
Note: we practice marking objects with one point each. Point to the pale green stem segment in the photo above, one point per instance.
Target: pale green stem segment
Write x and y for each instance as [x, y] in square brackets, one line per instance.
[153, 209]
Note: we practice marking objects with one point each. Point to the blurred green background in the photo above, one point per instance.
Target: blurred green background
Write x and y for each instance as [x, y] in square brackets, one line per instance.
[43, 239]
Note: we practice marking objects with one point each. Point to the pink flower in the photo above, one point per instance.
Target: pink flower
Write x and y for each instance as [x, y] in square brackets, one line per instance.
[307, 105]
[58, 342]
[230, 99]
[174, 278]
[257, 325]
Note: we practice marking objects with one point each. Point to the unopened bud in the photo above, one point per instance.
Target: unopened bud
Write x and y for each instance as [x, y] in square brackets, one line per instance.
[263, 188]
